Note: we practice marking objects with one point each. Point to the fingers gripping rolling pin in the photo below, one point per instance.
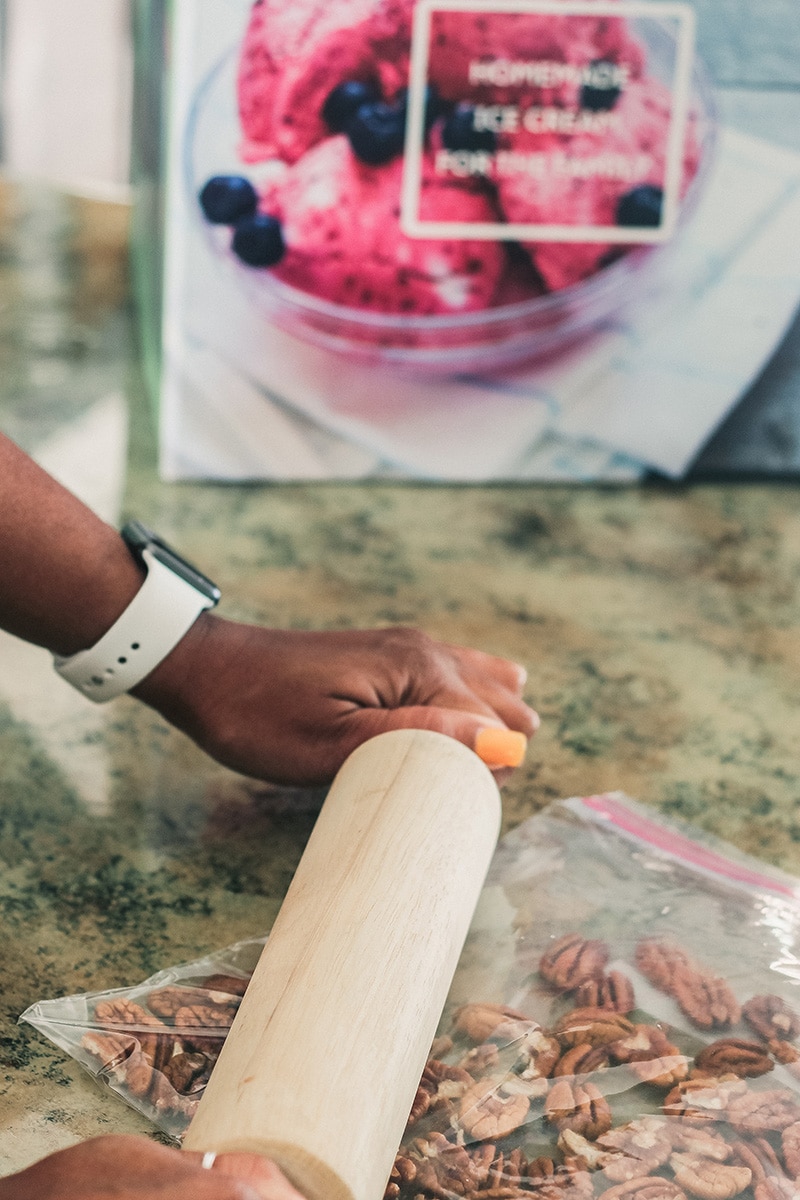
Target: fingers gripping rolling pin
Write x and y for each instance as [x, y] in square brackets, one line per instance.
[322, 1062]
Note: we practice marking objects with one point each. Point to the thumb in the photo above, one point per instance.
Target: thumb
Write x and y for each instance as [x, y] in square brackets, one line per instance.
[493, 741]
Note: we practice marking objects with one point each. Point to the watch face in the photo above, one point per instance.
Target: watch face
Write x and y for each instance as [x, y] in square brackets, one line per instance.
[139, 538]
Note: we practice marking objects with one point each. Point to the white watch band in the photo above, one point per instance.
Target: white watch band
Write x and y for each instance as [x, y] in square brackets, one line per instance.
[161, 612]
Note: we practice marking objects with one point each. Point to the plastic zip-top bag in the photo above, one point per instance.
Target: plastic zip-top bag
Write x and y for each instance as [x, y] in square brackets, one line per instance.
[155, 1044]
[624, 1022]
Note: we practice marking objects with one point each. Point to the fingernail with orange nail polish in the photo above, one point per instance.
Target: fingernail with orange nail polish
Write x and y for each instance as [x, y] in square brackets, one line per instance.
[500, 747]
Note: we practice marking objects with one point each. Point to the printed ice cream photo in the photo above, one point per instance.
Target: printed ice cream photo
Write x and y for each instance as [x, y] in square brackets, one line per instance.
[466, 240]
[550, 117]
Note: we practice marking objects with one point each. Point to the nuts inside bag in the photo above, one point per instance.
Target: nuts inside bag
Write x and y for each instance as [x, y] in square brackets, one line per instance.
[624, 1022]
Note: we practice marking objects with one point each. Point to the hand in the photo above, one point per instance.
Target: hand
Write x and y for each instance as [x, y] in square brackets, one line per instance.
[132, 1168]
[289, 706]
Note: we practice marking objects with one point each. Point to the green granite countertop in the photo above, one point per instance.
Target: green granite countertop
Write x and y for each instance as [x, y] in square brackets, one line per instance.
[659, 625]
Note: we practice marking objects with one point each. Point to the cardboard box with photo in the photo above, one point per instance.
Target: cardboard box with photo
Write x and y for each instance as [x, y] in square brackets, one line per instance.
[462, 240]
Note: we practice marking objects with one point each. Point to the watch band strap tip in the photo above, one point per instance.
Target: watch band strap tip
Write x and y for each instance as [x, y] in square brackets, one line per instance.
[161, 612]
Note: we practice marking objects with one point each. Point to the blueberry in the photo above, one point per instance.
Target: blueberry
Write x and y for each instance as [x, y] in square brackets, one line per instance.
[459, 132]
[377, 133]
[258, 241]
[603, 93]
[225, 199]
[344, 102]
[641, 206]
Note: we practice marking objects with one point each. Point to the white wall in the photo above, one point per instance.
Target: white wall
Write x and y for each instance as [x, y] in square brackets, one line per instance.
[66, 93]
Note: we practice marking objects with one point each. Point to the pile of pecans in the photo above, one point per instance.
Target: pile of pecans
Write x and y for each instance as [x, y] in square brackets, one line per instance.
[159, 1049]
[606, 1100]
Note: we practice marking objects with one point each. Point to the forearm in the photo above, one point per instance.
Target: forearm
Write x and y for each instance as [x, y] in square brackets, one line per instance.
[66, 575]
[280, 705]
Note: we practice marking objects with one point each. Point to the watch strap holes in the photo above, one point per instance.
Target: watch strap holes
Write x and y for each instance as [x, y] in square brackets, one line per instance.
[98, 680]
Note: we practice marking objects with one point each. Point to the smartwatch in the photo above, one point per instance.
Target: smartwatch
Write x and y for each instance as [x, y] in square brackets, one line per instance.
[170, 600]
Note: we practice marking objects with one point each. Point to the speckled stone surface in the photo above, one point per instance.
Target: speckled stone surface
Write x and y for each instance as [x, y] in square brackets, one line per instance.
[659, 625]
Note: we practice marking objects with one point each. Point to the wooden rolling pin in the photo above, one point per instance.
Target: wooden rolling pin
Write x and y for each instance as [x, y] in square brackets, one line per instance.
[322, 1062]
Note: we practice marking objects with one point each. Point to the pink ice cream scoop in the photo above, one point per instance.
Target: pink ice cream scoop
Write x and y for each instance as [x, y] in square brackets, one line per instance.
[340, 222]
[296, 51]
[634, 149]
[322, 100]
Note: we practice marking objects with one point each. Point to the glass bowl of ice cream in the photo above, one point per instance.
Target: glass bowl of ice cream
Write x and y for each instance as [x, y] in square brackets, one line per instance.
[295, 159]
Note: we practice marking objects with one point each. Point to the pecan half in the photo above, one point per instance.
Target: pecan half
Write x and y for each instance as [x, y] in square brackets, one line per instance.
[649, 1188]
[120, 1012]
[775, 1188]
[592, 1026]
[126, 1015]
[784, 1053]
[662, 1072]
[614, 991]
[702, 1099]
[790, 1145]
[497, 1177]
[437, 1072]
[760, 1112]
[188, 1073]
[419, 1105]
[698, 1141]
[109, 1048]
[439, 1086]
[745, 1156]
[136, 1074]
[581, 1153]
[735, 1056]
[581, 1060]
[644, 1043]
[403, 1173]
[538, 1055]
[483, 1021]
[759, 1156]
[480, 1058]
[442, 1168]
[548, 1181]
[518, 1085]
[541, 1168]
[658, 959]
[165, 1099]
[230, 985]
[771, 1017]
[210, 1022]
[706, 999]
[709, 1180]
[572, 959]
[485, 1112]
[166, 1001]
[639, 1148]
[483, 1162]
[578, 1106]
